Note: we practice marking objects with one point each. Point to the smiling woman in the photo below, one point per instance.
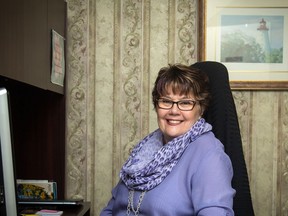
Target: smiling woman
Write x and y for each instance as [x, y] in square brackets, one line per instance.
[180, 168]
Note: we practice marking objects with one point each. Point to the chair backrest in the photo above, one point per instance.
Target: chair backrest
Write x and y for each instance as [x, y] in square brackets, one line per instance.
[222, 115]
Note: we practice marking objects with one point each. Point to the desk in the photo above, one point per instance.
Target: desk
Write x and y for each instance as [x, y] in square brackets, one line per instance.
[79, 210]
[82, 209]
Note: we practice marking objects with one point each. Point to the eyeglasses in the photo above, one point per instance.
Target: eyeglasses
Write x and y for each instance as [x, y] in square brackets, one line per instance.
[184, 105]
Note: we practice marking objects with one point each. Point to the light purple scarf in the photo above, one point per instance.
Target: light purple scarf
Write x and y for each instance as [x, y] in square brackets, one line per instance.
[151, 161]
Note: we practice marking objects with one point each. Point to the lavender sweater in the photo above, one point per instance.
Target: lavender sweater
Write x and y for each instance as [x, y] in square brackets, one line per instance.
[200, 184]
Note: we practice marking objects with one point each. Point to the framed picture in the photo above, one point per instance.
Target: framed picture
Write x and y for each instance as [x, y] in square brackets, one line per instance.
[250, 40]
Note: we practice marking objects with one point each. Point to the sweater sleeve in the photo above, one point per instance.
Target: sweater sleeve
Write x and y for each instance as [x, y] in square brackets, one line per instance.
[108, 209]
[212, 193]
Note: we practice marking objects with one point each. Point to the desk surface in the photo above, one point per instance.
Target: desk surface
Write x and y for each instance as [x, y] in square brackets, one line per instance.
[79, 210]
[82, 209]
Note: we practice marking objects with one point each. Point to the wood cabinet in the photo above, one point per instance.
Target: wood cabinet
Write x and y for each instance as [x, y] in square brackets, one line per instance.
[37, 105]
[25, 40]
[38, 127]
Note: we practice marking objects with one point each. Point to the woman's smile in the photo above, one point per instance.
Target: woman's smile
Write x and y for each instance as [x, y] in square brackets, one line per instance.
[174, 122]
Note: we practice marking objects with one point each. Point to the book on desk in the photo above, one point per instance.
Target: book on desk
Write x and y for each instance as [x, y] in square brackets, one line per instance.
[36, 189]
[39, 197]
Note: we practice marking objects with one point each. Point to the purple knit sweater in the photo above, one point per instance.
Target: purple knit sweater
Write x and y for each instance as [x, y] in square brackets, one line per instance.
[200, 184]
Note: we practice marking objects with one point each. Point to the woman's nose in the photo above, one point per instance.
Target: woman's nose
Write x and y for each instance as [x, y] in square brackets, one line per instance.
[174, 108]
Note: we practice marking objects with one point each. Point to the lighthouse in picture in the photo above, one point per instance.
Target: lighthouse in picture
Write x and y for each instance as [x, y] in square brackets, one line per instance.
[264, 40]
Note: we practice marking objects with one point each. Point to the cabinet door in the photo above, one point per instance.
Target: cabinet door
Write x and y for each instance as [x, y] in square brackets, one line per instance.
[25, 40]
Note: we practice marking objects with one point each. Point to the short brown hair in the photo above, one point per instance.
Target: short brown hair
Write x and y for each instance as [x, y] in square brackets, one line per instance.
[184, 80]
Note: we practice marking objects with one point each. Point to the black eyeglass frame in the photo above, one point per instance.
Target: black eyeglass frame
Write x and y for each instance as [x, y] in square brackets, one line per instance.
[177, 103]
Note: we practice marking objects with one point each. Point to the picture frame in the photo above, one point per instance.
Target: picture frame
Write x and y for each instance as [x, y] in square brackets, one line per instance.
[230, 33]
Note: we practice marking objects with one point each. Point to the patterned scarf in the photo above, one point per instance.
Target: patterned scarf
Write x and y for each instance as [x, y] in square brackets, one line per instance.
[151, 161]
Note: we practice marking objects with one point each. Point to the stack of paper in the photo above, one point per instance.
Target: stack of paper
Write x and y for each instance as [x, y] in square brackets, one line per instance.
[48, 212]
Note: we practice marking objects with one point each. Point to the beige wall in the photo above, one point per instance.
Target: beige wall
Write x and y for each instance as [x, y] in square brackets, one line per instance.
[114, 51]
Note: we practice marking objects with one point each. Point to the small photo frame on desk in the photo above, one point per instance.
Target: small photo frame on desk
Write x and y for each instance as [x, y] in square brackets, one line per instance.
[58, 59]
[250, 39]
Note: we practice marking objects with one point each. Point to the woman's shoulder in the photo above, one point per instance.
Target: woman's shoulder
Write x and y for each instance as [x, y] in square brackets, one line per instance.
[208, 141]
[203, 146]
[206, 149]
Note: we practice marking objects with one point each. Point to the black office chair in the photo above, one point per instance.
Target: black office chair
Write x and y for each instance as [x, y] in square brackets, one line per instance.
[222, 115]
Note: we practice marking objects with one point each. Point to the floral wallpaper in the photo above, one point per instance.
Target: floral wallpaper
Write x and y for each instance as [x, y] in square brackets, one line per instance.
[114, 51]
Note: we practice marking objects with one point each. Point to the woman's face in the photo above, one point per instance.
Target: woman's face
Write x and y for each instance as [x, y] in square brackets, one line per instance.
[174, 122]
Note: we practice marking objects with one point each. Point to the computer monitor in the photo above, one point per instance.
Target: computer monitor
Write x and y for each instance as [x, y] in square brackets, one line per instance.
[8, 197]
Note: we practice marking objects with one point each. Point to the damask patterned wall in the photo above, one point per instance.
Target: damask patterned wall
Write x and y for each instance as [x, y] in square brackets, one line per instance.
[114, 51]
